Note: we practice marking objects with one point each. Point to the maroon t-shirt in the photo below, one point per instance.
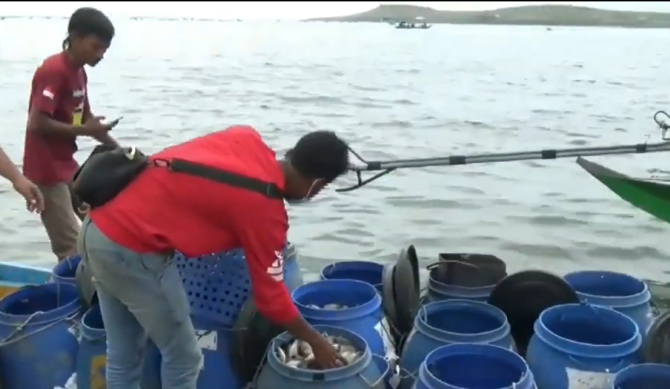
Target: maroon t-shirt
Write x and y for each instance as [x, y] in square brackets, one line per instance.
[59, 91]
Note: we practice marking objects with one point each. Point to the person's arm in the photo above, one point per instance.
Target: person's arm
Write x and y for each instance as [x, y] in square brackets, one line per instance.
[263, 237]
[47, 95]
[7, 168]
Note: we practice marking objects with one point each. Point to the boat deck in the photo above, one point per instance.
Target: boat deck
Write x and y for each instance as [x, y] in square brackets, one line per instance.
[14, 276]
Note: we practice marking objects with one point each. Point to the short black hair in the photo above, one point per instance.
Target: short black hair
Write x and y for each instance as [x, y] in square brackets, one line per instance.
[320, 154]
[90, 21]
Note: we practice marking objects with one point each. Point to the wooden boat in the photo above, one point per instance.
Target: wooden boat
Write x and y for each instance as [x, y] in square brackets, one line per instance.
[14, 276]
[649, 195]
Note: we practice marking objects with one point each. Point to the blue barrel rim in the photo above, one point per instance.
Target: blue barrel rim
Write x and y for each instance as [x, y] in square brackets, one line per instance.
[88, 331]
[584, 349]
[72, 262]
[467, 349]
[622, 302]
[373, 304]
[70, 309]
[422, 326]
[629, 371]
[366, 266]
[308, 375]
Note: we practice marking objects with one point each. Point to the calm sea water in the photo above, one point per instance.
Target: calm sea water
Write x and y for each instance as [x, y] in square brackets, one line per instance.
[391, 94]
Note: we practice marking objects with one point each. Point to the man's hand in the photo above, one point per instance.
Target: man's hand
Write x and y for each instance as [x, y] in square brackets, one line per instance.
[32, 194]
[95, 128]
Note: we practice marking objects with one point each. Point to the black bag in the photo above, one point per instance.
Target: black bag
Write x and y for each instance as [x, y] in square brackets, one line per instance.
[108, 171]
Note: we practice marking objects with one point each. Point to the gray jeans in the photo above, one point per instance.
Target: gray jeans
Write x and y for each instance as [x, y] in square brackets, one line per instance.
[141, 295]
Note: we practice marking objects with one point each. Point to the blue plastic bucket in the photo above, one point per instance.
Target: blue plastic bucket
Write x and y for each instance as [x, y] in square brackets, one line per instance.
[38, 336]
[451, 321]
[66, 270]
[363, 317]
[365, 271]
[362, 373]
[581, 345]
[474, 366]
[92, 356]
[438, 291]
[621, 292]
[644, 376]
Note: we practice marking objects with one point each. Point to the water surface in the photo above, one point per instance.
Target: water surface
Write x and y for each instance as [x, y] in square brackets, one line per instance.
[391, 94]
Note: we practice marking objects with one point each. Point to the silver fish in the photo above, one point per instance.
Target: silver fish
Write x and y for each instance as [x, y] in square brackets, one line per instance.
[281, 354]
[330, 307]
[334, 307]
[304, 349]
[299, 355]
[350, 356]
[293, 350]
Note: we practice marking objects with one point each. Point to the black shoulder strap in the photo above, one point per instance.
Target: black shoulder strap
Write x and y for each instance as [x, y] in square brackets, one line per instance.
[195, 169]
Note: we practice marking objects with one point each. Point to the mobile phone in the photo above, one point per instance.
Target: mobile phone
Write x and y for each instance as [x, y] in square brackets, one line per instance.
[114, 122]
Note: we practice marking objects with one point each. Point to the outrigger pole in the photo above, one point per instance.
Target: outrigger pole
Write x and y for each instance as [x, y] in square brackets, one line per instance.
[386, 167]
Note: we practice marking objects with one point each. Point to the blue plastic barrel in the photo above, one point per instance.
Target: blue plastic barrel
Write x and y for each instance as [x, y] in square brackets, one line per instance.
[364, 315]
[365, 271]
[451, 321]
[438, 291]
[474, 366]
[362, 373]
[38, 336]
[644, 376]
[92, 356]
[66, 270]
[622, 292]
[581, 346]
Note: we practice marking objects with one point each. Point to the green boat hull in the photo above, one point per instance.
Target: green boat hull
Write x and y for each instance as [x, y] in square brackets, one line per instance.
[650, 196]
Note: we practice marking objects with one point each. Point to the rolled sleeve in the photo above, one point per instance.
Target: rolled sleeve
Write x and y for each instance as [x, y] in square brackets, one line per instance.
[263, 237]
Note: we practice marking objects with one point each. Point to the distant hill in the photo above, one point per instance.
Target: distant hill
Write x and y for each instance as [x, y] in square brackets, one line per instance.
[542, 15]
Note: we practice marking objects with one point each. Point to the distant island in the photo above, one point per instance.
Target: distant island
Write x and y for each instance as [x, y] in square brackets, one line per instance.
[534, 15]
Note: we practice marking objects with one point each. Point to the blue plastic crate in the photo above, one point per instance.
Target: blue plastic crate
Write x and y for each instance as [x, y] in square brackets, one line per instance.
[218, 285]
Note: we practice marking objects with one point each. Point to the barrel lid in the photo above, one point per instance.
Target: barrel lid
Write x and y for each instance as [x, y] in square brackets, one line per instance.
[252, 335]
[656, 346]
[406, 289]
[388, 293]
[470, 270]
[86, 285]
[524, 296]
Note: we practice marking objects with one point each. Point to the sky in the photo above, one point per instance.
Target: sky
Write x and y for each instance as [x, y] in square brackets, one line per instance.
[277, 10]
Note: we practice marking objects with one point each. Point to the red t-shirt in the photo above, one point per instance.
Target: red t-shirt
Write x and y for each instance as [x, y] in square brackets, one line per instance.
[59, 91]
[163, 211]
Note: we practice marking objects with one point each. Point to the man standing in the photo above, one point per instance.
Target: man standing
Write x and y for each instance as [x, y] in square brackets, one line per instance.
[129, 241]
[59, 112]
[29, 191]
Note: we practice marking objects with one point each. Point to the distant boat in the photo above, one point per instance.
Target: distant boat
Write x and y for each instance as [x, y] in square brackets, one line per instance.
[410, 26]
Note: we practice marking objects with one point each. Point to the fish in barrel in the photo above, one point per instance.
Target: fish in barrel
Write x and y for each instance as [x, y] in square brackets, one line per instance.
[299, 355]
